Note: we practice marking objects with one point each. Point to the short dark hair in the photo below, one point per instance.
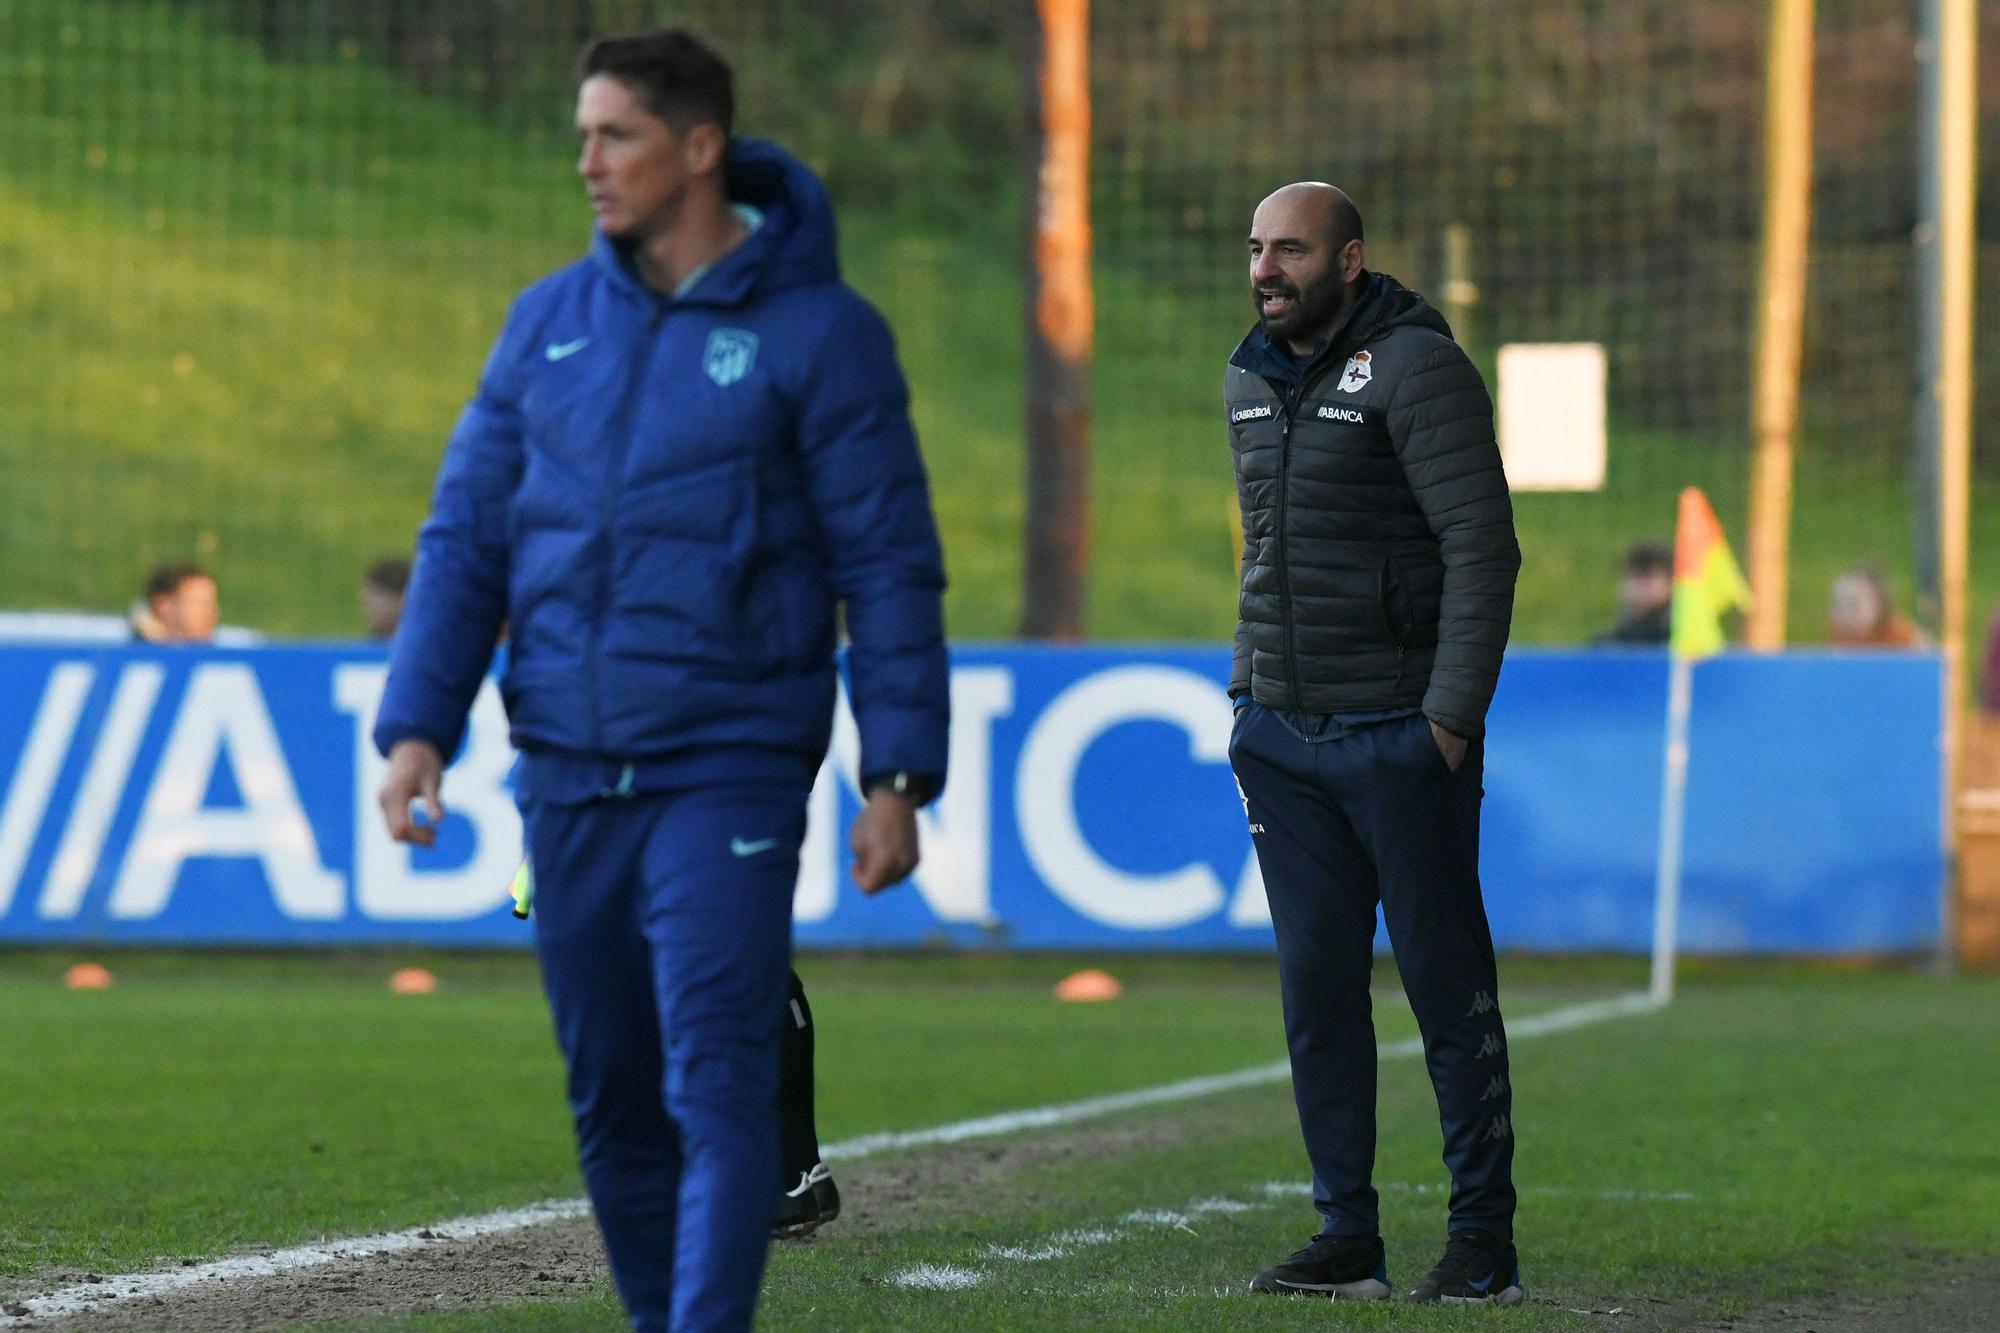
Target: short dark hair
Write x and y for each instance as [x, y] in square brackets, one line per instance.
[678, 76]
[166, 580]
[389, 574]
[1346, 222]
[1649, 557]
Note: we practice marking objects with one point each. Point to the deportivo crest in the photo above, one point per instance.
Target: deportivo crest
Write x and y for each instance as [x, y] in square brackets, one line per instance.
[730, 354]
[1358, 373]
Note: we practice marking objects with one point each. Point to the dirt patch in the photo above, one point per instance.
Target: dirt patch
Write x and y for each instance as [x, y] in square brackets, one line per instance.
[879, 1196]
[1943, 1295]
[1950, 1296]
[450, 1275]
[893, 1194]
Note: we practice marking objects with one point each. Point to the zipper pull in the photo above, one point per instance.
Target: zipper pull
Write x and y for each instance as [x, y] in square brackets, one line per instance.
[622, 790]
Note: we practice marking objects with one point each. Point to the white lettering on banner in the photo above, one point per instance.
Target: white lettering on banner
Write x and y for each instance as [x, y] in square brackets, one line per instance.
[103, 783]
[1250, 907]
[387, 885]
[35, 776]
[224, 712]
[954, 836]
[1045, 795]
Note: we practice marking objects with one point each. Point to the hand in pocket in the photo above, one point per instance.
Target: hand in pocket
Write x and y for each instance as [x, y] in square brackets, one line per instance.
[1452, 747]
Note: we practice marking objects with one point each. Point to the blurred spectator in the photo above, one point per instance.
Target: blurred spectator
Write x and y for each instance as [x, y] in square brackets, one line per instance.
[382, 589]
[1863, 615]
[180, 605]
[1645, 596]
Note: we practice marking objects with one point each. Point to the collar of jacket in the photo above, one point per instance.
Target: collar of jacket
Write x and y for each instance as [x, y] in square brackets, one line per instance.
[1382, 301]
[796, 246]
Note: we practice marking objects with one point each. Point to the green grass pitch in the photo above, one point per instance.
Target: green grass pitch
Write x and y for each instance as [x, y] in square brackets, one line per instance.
[1782, 1133]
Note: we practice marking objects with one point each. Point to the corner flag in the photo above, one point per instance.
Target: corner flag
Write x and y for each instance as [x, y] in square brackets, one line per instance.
[1708, 583]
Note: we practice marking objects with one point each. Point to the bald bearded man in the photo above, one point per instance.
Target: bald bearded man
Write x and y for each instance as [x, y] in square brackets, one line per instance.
[1378, 573]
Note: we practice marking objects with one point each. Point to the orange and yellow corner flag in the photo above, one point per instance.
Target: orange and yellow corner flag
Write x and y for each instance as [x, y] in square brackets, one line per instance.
[1708, 583]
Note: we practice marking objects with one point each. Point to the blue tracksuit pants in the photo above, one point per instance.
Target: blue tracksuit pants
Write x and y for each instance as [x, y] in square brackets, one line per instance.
[663, 921]
[1345, 814]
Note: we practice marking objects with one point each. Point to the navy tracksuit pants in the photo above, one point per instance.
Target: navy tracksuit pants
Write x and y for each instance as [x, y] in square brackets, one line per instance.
[1346, 813]
[664, 921]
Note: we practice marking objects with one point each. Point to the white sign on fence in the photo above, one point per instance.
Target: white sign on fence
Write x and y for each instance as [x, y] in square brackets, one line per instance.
[1552, 435]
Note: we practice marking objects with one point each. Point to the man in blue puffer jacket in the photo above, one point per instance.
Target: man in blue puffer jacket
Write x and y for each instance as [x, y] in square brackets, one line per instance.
[686, 451]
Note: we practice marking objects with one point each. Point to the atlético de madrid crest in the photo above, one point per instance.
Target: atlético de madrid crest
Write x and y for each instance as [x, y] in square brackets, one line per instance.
[730, 354]
[1358, 373]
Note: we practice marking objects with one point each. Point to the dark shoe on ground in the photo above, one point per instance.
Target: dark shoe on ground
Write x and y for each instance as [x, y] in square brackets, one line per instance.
[1341, 1268]
[1478, 1268]
[809, 1205]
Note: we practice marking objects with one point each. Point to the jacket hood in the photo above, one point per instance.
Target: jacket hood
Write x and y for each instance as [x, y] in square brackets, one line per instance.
[1383, 304]
[795, 247]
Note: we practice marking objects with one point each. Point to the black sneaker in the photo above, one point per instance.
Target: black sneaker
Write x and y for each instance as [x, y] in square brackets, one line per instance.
[810, 1205]
[1478, 1268]
[1341, 1268]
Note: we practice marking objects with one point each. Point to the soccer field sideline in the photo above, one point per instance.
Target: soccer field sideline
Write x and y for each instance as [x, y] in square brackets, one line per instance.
[82, 1298]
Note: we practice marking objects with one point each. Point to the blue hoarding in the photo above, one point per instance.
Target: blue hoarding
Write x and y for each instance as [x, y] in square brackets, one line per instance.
[215, 796]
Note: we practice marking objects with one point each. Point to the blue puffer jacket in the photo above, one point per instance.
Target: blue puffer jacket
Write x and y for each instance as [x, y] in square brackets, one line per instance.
[663, 499]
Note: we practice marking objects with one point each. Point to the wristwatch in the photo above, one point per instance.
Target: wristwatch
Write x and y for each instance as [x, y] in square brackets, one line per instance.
[916, 788]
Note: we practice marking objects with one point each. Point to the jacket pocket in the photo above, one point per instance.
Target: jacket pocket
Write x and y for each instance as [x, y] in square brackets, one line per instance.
[1392, 600]
[1402, 615]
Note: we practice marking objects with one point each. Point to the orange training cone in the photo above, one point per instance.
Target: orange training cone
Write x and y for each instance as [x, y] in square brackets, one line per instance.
[1089, 984]
[413, 981]
[88, 976]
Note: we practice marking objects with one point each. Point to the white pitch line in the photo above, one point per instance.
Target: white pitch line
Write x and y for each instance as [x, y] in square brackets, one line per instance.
[1302, 1189]
[1188, 1089]
[1063, 1244]
[1067, 1113]
[937, 1277]
[90, 1296]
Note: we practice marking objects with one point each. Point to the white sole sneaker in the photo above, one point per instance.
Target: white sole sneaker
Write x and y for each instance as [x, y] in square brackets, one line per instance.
[1505, 1296]
[1366, 1289]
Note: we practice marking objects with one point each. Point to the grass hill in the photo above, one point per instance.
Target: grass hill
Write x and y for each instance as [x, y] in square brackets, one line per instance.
[244, 292]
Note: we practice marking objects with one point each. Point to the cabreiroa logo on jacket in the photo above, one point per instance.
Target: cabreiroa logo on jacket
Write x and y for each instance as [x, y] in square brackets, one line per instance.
[730, 354]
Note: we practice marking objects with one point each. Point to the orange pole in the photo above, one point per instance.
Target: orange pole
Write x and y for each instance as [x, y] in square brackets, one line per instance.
[1972, 927]
[1781, 306]
[1065, 308]
[1061, 338]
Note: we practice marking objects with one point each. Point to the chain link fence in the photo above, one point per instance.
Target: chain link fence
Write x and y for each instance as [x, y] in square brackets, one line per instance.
[252, 253]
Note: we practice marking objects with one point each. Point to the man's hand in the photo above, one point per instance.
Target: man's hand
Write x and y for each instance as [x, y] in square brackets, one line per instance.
[1451, 746]
[416, 770]
[884, 841]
